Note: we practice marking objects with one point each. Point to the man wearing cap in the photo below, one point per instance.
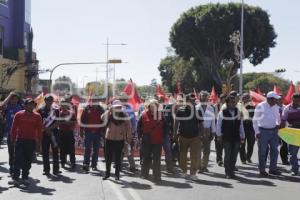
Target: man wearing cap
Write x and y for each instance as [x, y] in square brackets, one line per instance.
[92, 128]
[248, 112]
[189, 127]
[209, 130]
[231, 131]
[26, 132]
[67, 122]
[266, 122]
[291, 116]
[11, 105]
[50, 135]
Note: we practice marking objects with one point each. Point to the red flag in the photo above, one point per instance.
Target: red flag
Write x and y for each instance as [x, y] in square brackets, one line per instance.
[259, 91]
[134, 98]
[256, 98]
[161, 94]
[288, 98]
[277, 90]
[213, 98]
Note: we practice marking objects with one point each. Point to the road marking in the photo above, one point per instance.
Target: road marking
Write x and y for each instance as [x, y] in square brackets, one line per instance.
[117, 191]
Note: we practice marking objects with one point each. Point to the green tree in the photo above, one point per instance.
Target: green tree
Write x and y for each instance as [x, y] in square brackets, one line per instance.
[203, 33]
[264, 81]
[175, 69]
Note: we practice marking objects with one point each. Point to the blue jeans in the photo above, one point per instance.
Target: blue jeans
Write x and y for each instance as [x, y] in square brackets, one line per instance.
[268, 138]
[294, 159]
[168, 151]
[92, 140]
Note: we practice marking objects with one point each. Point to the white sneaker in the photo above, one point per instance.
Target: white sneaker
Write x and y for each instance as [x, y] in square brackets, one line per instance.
[194, 178]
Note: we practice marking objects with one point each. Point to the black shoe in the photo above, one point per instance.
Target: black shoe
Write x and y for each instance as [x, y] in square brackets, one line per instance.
[106, 177]
[263, 174]
[235, 169]
[244, 162]
[286, 163]
[57, 172]
[117, 178]
[63, 166]
[85, 168]
[249, 161]
[94, 168]
[46, 173]
[133, 169]
[73, 166]
[157, 179]
[220, 163]
[275, 172]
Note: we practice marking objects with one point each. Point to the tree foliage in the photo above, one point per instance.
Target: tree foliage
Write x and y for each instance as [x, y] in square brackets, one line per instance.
[264, 81]
[203, 33]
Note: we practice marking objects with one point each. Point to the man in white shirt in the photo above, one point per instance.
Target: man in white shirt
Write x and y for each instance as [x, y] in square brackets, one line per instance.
[266, 122]
[209, 130]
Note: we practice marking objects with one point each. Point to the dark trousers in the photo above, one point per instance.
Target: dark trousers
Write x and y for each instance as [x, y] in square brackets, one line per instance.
[219, 150]
[284, 151]
[113, 149]
[11, 153]
[67, 146]
[46, 144]
[151, 154]
[91, 141]
[250, 141]
[24, 150]
[231, 154]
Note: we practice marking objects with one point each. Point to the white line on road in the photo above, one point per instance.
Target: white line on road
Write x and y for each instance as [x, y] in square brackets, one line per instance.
[117, 191]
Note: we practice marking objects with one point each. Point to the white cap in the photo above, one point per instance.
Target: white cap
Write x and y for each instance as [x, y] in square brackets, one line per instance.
[116, 103]
[273, 95]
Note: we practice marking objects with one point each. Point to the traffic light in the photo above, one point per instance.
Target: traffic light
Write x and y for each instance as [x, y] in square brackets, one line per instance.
[280, 70]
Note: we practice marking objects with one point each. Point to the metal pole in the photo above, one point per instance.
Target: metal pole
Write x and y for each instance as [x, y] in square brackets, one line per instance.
[107, 58]
[63, 64]
[242, 49]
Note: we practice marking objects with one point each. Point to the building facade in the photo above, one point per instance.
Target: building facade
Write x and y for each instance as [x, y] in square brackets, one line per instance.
[17, 60]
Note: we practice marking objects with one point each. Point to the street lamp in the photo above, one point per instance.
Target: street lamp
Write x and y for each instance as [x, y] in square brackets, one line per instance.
[107, 60]
[69, 64]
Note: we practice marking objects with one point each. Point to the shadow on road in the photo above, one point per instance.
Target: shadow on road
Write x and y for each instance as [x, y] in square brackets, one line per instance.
[2, 189]
[61, 178]
[213, 183]
[33, 188]
[133, 184]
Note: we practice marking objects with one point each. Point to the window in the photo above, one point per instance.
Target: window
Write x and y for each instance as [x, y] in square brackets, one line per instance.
[3, 2]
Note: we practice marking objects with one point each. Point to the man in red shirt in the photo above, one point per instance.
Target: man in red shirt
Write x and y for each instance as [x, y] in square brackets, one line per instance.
[26, 132]
[92, 128]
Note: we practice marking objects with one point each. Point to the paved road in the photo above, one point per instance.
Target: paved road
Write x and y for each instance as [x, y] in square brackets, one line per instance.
[79, 186]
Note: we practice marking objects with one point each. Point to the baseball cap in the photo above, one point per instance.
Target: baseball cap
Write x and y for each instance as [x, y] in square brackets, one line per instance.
[272, 95]
[28, 101]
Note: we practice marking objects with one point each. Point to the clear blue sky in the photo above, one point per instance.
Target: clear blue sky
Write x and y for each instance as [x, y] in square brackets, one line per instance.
[75, 30]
